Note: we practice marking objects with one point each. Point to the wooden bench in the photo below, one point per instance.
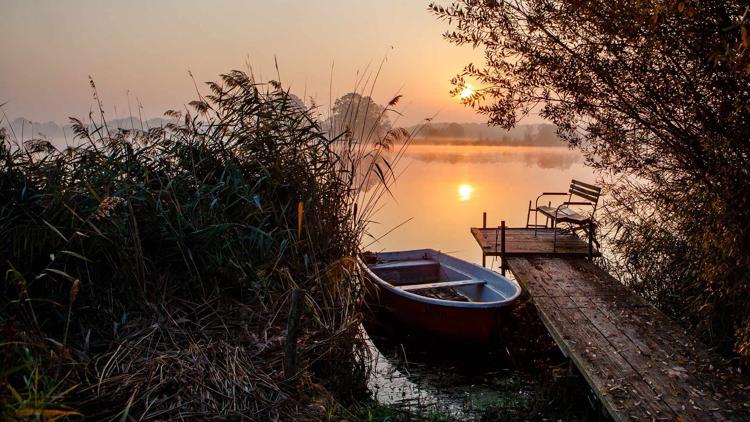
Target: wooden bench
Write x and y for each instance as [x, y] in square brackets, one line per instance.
[584, 194]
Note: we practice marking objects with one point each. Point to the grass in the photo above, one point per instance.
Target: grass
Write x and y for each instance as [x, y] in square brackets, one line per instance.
[148, 273]
[35, 395]
[560, 398]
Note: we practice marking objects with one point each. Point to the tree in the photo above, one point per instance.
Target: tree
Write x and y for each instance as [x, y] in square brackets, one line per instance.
[547, 135]
[453, 130]
[366, 119]
[657, 94]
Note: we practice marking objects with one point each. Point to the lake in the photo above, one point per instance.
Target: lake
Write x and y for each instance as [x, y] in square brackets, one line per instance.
[444, 189]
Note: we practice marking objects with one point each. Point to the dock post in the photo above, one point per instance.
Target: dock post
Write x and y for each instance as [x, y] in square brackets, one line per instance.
[502, 247]
[484, 226]
[528, 214]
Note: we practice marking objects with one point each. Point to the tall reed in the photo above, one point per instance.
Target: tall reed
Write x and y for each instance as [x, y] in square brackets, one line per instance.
[153, 267]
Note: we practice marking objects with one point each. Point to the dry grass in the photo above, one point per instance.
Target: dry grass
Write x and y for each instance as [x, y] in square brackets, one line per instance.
[151, 270]
[194, 363]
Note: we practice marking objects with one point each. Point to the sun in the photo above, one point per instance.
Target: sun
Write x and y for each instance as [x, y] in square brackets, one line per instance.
[467, 92]
[464, 191]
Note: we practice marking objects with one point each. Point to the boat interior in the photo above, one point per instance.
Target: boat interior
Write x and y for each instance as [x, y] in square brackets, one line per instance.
[423, 276]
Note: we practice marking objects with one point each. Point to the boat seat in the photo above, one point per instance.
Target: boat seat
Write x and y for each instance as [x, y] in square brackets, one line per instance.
[410, 287]
[402, 264]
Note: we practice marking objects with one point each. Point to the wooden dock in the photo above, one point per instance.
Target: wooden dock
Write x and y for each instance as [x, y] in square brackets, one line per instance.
[640, 364]
[530, 242]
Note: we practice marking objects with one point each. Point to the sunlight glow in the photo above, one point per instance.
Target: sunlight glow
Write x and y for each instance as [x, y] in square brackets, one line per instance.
[464, 191]
[467, 92]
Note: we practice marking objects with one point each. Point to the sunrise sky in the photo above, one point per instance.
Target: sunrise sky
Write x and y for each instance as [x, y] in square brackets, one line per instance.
[147, 47]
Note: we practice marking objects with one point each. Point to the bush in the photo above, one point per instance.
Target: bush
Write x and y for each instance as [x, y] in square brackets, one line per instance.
[153, 267]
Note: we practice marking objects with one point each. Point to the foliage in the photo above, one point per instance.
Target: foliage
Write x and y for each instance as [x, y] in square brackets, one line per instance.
[452, 130]
[154, 258]
[359, 115]
[29, 392]
[656, 93]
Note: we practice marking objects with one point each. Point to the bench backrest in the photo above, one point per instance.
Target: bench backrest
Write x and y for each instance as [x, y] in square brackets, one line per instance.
[585, 191]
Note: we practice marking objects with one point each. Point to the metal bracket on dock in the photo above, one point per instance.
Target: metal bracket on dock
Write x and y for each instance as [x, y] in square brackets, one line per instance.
[501, 233]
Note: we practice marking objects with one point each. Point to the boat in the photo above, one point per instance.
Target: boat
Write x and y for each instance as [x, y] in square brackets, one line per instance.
[438, 294]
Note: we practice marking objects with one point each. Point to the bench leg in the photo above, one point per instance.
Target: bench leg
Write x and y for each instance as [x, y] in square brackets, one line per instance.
[554, 235]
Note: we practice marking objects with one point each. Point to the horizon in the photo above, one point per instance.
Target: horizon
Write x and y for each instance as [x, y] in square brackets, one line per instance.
[146, 119]
[540, 134]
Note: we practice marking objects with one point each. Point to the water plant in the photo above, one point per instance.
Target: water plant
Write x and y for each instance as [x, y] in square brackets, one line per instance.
[203, 268]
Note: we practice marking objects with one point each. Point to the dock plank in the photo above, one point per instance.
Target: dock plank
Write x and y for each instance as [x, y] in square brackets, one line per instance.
[527, 242]
[667, 387]
[641, 365]
[619, 384]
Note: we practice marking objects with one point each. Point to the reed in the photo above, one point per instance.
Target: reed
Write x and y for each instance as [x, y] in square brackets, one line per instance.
[149, 272]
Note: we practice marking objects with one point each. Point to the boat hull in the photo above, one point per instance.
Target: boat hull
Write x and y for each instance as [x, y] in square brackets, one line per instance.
[446, 321]
[398, 277]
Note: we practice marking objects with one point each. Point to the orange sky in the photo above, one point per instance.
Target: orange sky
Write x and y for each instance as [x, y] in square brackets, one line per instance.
[50, 47]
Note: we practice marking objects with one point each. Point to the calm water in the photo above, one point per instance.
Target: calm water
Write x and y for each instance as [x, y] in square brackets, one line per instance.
[445, 189]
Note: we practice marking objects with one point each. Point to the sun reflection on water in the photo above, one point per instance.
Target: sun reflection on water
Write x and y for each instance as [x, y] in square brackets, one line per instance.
[464, 191]
[499, 180]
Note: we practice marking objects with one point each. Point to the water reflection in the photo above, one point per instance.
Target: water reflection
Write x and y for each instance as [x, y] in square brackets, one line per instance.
[422, 383]
[464, 191]
[466, 380]
[445, 189]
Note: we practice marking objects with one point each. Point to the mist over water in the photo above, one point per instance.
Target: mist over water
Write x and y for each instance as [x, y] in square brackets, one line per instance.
[444, 189]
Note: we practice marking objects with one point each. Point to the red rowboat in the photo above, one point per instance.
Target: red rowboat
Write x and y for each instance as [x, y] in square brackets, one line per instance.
[440, 294]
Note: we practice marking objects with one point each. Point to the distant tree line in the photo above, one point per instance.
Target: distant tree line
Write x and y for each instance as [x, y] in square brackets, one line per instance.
[353, 112]
[24, 129]
[481, 134]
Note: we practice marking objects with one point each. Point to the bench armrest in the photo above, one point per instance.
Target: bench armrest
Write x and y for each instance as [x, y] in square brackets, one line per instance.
[536, 204]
